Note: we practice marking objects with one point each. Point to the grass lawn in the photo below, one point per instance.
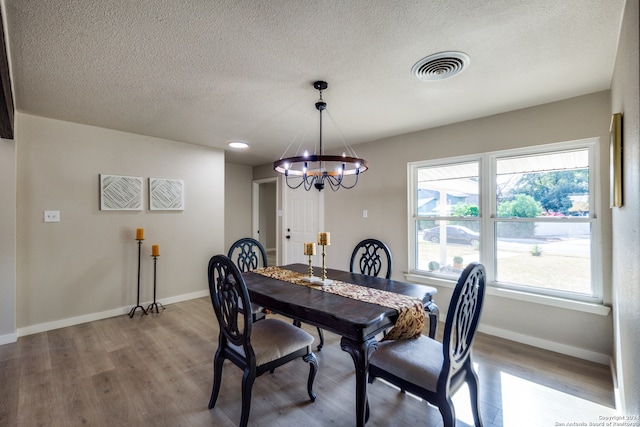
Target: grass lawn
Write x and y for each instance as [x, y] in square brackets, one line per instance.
[569, 273]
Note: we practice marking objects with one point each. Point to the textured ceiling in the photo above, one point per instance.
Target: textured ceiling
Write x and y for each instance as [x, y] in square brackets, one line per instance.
[206, 72]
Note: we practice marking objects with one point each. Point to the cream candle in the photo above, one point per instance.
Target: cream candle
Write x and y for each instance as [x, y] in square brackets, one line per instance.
[310, 248]
[324, 238]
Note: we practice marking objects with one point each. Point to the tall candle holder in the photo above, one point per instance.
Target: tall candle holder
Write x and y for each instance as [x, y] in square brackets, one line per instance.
[154, 303]
[139, 238]
[310, 250]
[323, 240]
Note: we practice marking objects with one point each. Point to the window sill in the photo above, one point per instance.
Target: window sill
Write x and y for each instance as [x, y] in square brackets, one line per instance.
[586, 307]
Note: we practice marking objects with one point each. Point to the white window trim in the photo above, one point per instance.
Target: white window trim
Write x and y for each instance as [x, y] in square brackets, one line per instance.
[487, 163]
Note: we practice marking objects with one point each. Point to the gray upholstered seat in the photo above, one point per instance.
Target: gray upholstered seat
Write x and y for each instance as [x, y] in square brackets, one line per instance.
[272, 339]
[419, 360]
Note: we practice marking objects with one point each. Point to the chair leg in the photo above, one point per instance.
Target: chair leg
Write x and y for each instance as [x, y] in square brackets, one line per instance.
[247, 384]
[448, 412]
[433, 312]
[321, 336]
[313, 369]
[217, 379]
[472, 382]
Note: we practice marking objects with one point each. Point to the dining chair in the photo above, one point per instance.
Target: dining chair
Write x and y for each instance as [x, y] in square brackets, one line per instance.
[249, 254]
[253, 347]
[373, 256]
[432, 370]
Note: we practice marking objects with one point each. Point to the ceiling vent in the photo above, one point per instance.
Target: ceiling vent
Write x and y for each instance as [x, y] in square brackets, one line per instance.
[440, 66]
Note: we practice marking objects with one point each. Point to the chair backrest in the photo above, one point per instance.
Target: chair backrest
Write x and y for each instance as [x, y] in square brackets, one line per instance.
[372, 258]
[462, 318]
[248, 253]
[229, 295]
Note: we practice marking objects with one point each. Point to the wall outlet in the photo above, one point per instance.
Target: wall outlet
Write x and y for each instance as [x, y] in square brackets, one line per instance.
[365, 213]
[51, 216]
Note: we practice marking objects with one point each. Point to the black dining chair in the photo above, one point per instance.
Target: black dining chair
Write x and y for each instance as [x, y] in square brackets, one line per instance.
[432, 370]
[255, 348]
[371, 256]
[249, 254]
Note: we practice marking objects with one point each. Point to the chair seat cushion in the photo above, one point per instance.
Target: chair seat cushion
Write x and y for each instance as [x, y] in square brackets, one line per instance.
[418, 361]
[272, 339]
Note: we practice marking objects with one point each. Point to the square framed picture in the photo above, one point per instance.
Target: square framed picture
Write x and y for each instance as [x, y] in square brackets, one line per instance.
[166, 194]
[120, 193]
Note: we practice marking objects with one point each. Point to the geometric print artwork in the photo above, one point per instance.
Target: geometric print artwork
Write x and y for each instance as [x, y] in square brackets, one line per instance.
[120, 193]
[166, 194]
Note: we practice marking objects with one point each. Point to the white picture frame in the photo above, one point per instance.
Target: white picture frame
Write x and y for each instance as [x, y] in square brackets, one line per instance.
[121, 193]
[166, 194]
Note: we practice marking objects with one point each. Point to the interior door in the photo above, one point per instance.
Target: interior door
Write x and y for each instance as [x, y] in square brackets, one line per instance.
[302, 219]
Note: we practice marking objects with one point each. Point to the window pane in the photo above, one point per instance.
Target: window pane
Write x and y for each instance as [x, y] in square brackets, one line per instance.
[555, 184]
[461, 247]
[546, 255]
[450, 190]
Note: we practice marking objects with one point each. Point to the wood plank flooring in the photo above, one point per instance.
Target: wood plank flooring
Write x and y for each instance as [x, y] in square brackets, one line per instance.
[157, 370]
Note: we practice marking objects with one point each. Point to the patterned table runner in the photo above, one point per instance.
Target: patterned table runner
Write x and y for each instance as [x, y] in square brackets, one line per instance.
[410, 310]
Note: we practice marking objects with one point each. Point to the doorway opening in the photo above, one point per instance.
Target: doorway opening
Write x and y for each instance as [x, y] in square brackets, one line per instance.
[264, 216]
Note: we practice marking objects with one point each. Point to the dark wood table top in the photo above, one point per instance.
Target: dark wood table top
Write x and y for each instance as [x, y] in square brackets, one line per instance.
[347, 317]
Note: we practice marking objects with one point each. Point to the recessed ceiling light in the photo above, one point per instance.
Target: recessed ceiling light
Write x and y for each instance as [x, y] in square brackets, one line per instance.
[238, 144]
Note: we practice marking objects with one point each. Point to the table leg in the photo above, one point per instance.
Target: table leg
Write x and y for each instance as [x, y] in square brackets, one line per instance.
[360, 351]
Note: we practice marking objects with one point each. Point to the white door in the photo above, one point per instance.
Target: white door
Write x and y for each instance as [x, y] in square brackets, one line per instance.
[302, 219]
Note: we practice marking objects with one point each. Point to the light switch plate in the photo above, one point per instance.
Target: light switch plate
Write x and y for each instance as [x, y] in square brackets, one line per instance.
[51, 216]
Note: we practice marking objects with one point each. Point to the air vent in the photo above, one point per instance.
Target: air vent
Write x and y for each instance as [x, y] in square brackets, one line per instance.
[440, 66]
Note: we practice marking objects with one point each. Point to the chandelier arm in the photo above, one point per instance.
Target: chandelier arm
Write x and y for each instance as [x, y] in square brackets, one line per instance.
[304, 135]
[350, 151]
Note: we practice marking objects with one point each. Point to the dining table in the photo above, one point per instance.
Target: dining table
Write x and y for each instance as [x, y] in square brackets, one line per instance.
[357, 322]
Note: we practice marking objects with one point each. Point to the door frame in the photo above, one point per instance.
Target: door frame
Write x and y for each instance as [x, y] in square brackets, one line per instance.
[255, 210]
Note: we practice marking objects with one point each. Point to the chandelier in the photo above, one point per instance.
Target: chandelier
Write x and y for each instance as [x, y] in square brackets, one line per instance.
[317, 169]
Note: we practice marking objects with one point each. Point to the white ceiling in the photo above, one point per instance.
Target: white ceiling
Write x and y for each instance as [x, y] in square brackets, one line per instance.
[209, 71]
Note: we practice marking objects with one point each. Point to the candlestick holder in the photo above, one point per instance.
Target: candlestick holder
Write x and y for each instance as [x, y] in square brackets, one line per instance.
[138, 306]
[310, 268]
[154, 303]
[323, 279]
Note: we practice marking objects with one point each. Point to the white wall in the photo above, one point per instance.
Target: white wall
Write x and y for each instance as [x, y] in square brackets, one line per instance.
[625, 99]
[7, 241]
[85, 266]
[237, 203]
[382, 191]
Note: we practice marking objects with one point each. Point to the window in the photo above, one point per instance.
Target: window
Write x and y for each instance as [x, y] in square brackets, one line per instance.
[527, 214]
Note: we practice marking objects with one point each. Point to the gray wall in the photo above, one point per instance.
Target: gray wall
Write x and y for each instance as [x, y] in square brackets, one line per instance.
[382, 191]
[625, 98]
[85, 266]
[237, 203]
[7, 241]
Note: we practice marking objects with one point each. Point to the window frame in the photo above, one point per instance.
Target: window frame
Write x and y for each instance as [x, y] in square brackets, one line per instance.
[487, 168]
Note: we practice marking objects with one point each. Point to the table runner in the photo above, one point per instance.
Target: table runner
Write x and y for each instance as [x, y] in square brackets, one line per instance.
[410, 309]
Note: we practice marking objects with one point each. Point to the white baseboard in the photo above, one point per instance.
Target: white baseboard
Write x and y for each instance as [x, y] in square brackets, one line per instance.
[581, 353]
[63, 323]
[8, 338]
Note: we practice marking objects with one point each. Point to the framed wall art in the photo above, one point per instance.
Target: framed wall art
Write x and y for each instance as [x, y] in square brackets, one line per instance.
[615, 161]
[166, 194]
[120, 193]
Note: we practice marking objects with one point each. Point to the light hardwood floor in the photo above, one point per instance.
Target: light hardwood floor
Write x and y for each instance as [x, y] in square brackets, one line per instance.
[157, 370]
